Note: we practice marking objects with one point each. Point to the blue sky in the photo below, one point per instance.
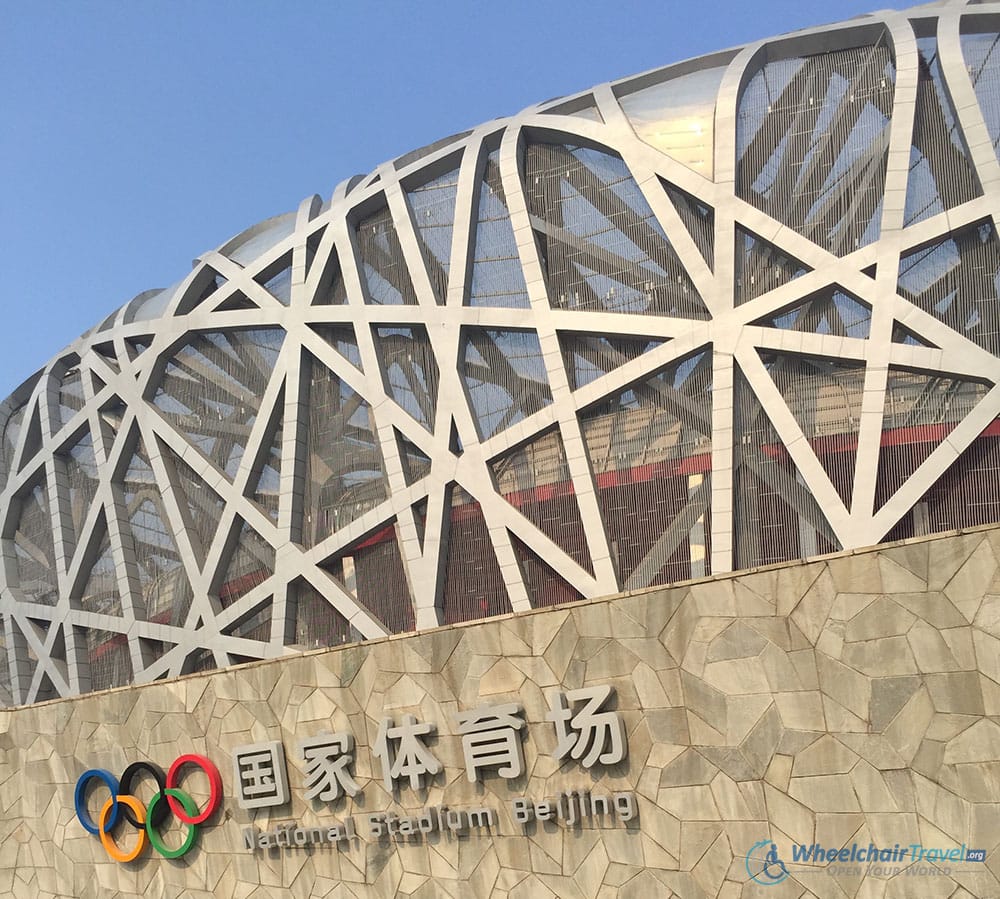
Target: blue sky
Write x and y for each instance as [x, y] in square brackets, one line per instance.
[136, 135]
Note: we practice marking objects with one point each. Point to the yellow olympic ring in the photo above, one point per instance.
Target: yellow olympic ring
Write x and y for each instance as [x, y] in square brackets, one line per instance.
[110, 846]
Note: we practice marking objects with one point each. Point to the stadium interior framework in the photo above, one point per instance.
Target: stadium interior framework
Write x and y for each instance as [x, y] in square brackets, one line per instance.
[740, 310]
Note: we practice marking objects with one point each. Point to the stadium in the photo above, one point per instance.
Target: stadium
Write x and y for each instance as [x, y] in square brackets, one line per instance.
[679, 394]
[733, 312]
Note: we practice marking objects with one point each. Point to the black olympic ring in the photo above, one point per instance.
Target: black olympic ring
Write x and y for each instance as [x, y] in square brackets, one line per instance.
[161, 809]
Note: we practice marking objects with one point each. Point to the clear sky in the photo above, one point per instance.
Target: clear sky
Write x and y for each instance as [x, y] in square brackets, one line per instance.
[137, 135]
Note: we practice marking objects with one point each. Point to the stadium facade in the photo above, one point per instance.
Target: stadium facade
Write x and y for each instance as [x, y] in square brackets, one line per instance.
[736, 311]
[542, 420]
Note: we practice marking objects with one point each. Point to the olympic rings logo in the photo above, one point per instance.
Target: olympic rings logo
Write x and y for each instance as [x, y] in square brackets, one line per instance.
[149, 819]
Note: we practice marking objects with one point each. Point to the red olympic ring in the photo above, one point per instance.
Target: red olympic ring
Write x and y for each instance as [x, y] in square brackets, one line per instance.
[215, 787]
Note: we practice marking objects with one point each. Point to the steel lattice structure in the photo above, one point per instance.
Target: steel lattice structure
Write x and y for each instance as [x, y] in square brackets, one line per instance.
[728, 313]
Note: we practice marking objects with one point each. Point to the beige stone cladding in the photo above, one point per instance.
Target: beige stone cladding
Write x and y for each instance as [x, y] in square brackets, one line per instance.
[849, 699]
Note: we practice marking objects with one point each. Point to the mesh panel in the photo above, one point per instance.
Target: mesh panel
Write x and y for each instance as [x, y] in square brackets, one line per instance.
[100, 593]
[544, 586]
[254, 627]
[211, 390]
[372, 571]
[433, 208]
[166, 591]
[11, 434]
[82, 477]
[416, 463]
[473, 585]
[775, 517]
[831, 311]
[332, 290]
[901, 334]
[7, 697]
[276, 279]
[588, 357]
[983, 63]
[600, 244]
[969, 493]
[71, 397]
[650, 451]
[920, 411]
[251, 563]
[343, 340]
[268, 485]
[535, 479]
[317, 623]
[941, 174]
[108, 659]
[385, 272]
[496, 278]
[761, 266]
[698, 218]
[36, 566]
[504, 375]
[420, 520]
[812, 135]
[345, 475]
[409, 370]
[958, 282]
[204, 504]
[825, 398]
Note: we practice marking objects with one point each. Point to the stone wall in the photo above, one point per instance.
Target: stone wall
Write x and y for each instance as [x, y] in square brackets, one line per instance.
[849, 699]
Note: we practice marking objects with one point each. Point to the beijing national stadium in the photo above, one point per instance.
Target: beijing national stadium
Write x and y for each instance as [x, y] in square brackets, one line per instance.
[738, 311]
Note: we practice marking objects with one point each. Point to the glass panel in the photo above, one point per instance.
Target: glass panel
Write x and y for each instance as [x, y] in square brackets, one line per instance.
[678, 117]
